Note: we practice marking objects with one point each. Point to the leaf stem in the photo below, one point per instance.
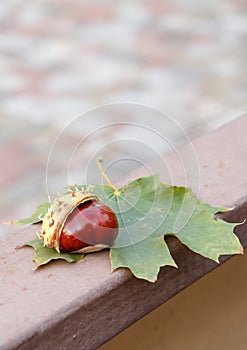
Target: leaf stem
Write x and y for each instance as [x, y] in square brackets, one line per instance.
[108, 181]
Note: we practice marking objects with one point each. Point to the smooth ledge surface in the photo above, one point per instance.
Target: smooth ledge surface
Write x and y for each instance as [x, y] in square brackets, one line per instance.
[64, 306]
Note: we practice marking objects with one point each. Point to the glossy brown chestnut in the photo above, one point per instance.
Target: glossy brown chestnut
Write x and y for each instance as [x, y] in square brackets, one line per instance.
[90, 224]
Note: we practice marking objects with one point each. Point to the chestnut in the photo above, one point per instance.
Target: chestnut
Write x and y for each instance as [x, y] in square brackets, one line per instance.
[91, 224]
[78, 222]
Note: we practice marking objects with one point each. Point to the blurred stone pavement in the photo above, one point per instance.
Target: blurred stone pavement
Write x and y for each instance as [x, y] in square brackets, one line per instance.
[61, 58]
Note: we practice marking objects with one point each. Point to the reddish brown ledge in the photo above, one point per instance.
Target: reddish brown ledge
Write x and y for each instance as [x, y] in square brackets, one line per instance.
[80, 306]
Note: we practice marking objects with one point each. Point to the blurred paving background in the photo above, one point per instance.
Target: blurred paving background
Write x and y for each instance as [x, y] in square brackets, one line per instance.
[60, 58]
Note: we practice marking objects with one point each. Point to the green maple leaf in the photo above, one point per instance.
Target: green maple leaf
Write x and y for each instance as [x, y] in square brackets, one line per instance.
[147, 210]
